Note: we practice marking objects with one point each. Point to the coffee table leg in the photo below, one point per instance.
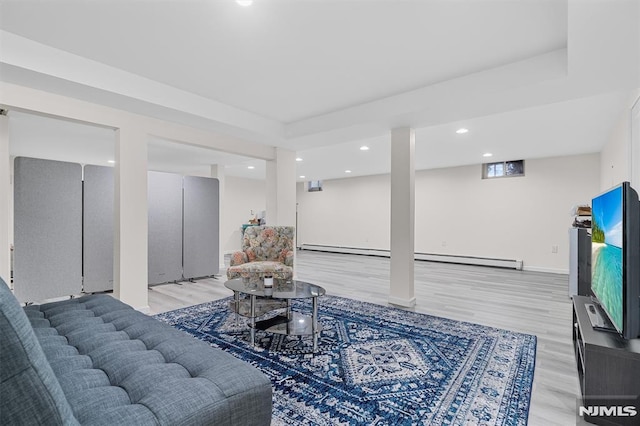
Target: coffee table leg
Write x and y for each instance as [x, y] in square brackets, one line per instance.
[314, 324]
[253, 320]
[236, 301]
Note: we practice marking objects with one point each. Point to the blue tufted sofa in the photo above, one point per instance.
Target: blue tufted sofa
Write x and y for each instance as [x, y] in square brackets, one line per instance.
[96, 361]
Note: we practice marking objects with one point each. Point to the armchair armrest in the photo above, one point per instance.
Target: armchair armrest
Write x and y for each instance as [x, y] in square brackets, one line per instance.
[288, 258]
[238, 258]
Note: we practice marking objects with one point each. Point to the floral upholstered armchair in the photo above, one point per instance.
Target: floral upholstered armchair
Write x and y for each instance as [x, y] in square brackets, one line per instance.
[266, 250]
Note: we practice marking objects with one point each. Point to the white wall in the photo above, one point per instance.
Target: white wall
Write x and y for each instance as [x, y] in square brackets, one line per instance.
[635, 143]
[353, 212]
[616, 156]
[5, 201]
[511, 218]
[241, 196]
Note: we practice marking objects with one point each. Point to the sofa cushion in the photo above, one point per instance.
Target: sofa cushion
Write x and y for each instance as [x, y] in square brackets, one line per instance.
[94, 360]
[31, 393]
[143, 371]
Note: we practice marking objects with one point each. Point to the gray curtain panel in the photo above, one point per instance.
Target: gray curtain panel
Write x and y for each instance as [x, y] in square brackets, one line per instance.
[47, 229]
[165, 227]
[98, 228]
[201, 226]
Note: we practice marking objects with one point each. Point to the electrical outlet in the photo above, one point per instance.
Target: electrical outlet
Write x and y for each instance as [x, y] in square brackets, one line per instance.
[554, 249]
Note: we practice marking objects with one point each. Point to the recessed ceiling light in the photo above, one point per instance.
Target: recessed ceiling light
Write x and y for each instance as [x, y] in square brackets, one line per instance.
[347, 171]
[487, 154]
[462, 131]
[244, 3]
[364, 148]
[302, 177]
[298, 159]
[111, 161]
[251, 167]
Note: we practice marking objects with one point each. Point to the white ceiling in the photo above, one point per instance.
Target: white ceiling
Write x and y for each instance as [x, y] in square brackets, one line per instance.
[528, 78]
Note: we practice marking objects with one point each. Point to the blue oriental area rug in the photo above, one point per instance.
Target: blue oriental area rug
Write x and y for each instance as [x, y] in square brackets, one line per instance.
[379, 366]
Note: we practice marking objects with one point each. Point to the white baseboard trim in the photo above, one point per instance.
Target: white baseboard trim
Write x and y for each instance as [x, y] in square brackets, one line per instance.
[346, 250]
[406, 303]
[445, 258]
[546, 270]
[471, 260]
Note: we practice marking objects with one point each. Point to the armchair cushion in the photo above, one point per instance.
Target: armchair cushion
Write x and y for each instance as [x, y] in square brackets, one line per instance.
[260, 269]
[251, 255]
[267, 242]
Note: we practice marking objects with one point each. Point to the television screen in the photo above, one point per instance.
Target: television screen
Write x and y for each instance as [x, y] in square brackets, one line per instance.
[607, 234]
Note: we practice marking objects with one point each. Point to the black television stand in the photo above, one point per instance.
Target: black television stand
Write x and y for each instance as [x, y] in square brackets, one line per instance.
[608, 368]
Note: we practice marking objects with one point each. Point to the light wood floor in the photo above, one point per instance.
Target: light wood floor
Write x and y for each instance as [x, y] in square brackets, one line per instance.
[527, 302]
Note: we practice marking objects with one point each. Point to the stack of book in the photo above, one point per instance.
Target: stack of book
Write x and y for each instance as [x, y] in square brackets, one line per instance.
[582, 217]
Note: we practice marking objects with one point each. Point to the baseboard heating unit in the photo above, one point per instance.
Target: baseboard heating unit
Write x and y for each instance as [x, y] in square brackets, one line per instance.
[444, 258]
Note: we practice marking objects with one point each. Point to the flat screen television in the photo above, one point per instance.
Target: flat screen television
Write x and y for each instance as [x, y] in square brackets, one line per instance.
[615, 257]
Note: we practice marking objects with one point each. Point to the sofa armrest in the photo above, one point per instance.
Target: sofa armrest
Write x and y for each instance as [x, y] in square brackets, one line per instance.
[238, 258]
[31, 392]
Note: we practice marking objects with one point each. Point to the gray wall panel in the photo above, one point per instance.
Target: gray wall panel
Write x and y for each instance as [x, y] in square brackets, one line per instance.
[165, 227]
[48, 229]
[201, 226]
[98, 228]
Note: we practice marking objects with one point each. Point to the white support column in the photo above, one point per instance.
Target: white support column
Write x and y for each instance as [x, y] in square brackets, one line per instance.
[131, 218]
[5, 193]
[271, 189]
[402, 217]
[281, 192]
[281, 189]
[217, 171]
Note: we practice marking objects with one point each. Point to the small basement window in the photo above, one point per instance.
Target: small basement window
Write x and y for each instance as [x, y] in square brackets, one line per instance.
[503, 169]
[314, 186]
